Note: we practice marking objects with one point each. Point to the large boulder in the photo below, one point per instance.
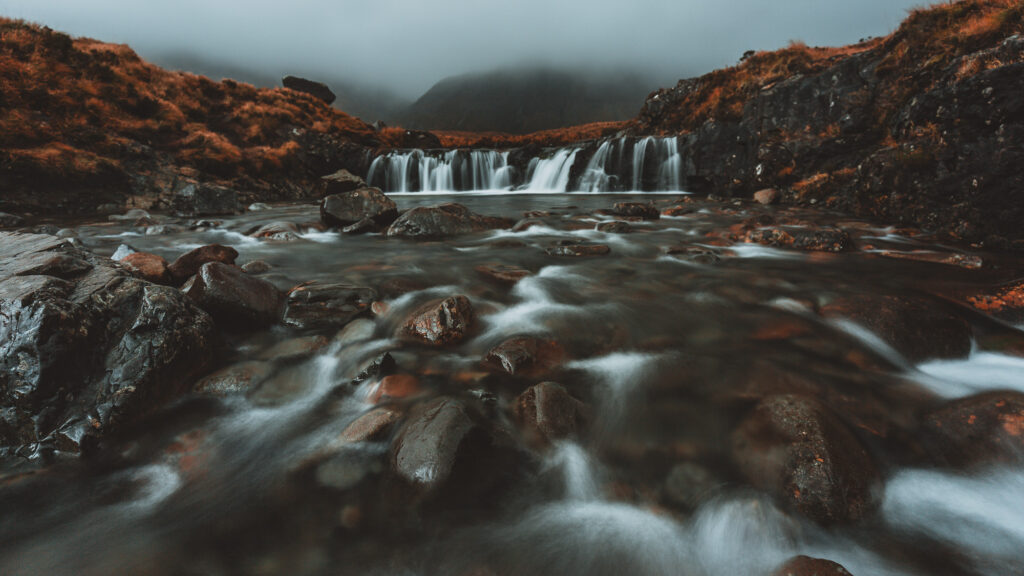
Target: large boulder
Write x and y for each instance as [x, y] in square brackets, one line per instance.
[327, 305]
[315, 89]
[348, 208]
[983, 429]
[234, 298]
[84, 346]
[801, 452]
[440, 322]
[204, 200]
[340, 182]
[447, 450]
[443, 221]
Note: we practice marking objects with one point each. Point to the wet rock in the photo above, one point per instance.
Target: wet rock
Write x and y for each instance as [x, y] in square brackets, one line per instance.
[395, 386]
[327, 305]
[313, 88]
[204, 200]
[378, 367]
[689, 484]
[84, 346]
[258, 207]
[235, 379]
[149, 267]
[527, 223]
[1005, 302]
[281, 231]
[615, 227]
[807, 566]
[340, 182]
[636, 210]
[10, 220]
[801, 452]
[358, 330]
[578, 250]
[968, 261]
[547, 412]
[371, 426]
[446, 449]
[767, 196]
[696, 254]
[348, 208]
[440, 322]
[442, 221]
[982, 429]
[677, 211]
[348, 468]
[815, 240]
[525, 356]
[294, 349]
[503, 273]
[364, 226]
[256, 267]
[188, 264]
[66, 233]
[162, 229]
[917, 328]
[235, 299]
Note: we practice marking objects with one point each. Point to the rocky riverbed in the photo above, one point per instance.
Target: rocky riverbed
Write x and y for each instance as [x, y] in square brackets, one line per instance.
[501, 384]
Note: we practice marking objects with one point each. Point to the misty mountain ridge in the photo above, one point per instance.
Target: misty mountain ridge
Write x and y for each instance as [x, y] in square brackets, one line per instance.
[528, 99]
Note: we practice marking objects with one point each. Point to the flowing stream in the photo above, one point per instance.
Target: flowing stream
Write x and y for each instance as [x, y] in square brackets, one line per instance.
[661, 346]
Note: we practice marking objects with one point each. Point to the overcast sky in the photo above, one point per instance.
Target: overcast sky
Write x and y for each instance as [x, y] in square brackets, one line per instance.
[408, 45]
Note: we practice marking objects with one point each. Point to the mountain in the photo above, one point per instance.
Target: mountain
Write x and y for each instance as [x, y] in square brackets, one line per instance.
[523, 100]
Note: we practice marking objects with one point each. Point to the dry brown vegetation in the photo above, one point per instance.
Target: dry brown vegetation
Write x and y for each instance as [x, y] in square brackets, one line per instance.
[78, 107]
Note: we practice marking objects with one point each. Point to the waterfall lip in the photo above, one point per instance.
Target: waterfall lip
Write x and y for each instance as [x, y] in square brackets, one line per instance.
[527, 192]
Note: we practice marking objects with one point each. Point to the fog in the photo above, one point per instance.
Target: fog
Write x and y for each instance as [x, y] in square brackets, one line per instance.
[406, 46]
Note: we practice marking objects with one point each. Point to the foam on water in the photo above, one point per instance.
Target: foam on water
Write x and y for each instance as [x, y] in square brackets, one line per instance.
[978, 372]
[982, 515]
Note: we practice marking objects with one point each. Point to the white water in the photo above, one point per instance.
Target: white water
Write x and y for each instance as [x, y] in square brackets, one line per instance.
[979, 372]
[656, 165]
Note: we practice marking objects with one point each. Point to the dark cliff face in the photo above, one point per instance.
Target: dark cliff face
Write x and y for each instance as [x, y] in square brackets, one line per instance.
[922, 127]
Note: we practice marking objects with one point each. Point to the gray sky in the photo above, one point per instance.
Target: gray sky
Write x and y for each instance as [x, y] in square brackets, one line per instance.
[408, 45]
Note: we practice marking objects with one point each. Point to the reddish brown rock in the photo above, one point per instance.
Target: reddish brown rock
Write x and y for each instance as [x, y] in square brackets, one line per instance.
[811, 240]
[547, 412]
[802, 452]
[189, 263]
[676, 211]
[807, 566]
[525, 356]
[502, 273]
[982, 429]
[147, 267]
[1005, 302]
[234, 298]
[395, 386]
[917, 328]
[279, 231]
[767, 196]
[440, 322]
[370, 426]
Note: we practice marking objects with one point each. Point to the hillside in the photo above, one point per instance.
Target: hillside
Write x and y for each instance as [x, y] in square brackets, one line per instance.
[921, 127]
[519, 101]
[84, 123]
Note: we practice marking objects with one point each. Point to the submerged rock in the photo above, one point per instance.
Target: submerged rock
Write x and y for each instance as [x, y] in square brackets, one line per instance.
[327, 305]
[349, 208]
[801, 452]
[235, 299]
[442, 221]
[525, 356]
[615, 227]
[440, 322]
[189, 263]
[917, 328]
[547, 412]
[371, 426]
[579, 250]
[640, 210]
[983, 429]
[503, 273]
[84, 346]
[235, 379]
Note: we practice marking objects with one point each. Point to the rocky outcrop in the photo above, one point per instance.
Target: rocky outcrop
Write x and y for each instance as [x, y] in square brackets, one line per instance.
[84, 346]
[313, 88]
[205, 200]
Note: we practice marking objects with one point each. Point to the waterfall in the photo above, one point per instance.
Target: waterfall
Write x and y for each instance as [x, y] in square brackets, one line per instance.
[552, 174]
[656, 166]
